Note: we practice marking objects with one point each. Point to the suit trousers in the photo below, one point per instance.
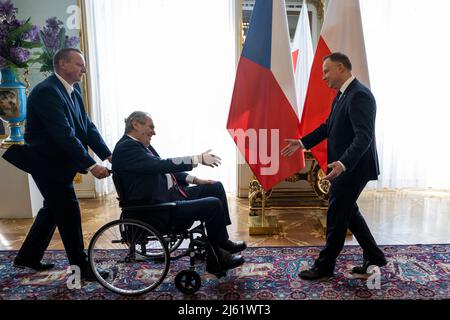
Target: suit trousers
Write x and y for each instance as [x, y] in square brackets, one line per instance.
[343, 213]
[206, 203]
[60, 210]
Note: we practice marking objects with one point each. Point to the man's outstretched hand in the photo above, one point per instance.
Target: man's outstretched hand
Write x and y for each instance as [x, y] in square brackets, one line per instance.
[209, 159]
[291, 148]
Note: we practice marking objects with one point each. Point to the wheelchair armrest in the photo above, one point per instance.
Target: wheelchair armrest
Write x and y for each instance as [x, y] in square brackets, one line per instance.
[164, 205]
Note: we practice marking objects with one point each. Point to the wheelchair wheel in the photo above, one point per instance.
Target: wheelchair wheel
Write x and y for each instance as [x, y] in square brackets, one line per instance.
[188, 281]
[114, 248]
[172, 242]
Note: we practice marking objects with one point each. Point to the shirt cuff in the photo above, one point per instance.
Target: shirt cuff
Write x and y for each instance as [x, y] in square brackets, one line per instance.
[345, 169]
[301, 144]
[91, 167]
[190, 179]
[195, 161]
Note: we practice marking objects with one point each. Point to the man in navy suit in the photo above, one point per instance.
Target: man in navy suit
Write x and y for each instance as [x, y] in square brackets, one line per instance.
[57, 136]
[147, 178]
[353, 161]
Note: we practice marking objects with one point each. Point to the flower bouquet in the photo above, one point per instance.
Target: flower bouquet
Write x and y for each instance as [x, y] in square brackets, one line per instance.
[17, 39]
[54, 38]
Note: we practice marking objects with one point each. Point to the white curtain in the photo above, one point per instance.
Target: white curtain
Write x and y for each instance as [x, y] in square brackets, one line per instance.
[407, 47]
[174, 59]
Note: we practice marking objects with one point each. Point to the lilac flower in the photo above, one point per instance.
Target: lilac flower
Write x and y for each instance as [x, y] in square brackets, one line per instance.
[51, 43]
[72, 42]
[51, 37]
[54, 24]
[19, 55]
[15, 23]
[3, 31]
[14, 52]
[32, 34]
[50, 34]
[7, 8]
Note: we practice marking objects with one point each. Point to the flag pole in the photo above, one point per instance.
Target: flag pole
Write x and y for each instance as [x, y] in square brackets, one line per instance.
[264, 224]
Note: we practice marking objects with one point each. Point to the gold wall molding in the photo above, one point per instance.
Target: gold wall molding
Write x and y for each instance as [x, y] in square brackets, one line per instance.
[84, 47]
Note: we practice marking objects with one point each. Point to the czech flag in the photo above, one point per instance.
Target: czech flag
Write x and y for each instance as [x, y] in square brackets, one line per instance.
[263, 110]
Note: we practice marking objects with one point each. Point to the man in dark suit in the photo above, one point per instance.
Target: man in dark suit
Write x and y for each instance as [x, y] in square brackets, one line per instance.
[353, 161]
[57, 136]
[147, 178]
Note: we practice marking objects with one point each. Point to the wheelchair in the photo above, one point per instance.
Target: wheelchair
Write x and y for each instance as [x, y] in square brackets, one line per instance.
[137, 254]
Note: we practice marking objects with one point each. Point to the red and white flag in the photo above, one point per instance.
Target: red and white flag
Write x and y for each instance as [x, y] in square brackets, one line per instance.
[341, 32]
[303, 55]
[263, 111]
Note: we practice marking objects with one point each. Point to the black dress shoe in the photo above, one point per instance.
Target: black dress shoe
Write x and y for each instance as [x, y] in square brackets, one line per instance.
[226, 261]
[314, 274]
[233, 247]
[88, 275]
[35, 266]
[366, 264]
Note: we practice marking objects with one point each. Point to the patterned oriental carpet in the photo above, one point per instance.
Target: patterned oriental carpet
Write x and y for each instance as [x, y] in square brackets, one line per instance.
[270, 273]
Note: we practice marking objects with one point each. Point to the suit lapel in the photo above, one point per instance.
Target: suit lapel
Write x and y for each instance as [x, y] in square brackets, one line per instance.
[337, 106]
[153, 151]
[148, 149]
[73, 107]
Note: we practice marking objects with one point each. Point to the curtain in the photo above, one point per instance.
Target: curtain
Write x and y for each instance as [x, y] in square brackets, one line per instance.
[173, 59]
[407, 43]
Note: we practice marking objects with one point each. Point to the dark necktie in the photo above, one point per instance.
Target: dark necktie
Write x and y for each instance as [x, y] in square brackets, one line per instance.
[76, 109]
[338, 97]
[335, 103]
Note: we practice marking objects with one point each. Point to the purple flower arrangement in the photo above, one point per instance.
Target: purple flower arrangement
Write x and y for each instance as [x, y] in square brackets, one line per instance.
[54, 38]
[17, 38]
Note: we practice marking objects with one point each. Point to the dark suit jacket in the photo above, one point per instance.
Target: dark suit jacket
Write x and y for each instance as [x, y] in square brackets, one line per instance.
[350, 130]
[142, 171]
[57, 134]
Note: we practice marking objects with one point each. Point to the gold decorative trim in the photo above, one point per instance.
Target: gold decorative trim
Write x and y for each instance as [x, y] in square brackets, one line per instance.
[26, 79]
[320, 6]
[14, 124]
[84, 47]
[7, 144]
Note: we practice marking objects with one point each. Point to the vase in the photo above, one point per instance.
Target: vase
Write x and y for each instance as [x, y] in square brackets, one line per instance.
[13, 102]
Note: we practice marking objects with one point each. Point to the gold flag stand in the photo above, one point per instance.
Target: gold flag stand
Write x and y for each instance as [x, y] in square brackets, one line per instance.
[263, 224]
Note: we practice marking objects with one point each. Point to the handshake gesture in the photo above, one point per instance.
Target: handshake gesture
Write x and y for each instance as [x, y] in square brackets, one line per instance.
[209, 159]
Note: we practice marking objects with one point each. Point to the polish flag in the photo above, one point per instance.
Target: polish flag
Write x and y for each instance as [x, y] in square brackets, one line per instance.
[263, 111]
[303, 55]
[341, 32]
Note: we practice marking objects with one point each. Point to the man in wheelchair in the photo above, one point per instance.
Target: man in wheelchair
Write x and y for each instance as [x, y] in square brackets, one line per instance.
[147, 178]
